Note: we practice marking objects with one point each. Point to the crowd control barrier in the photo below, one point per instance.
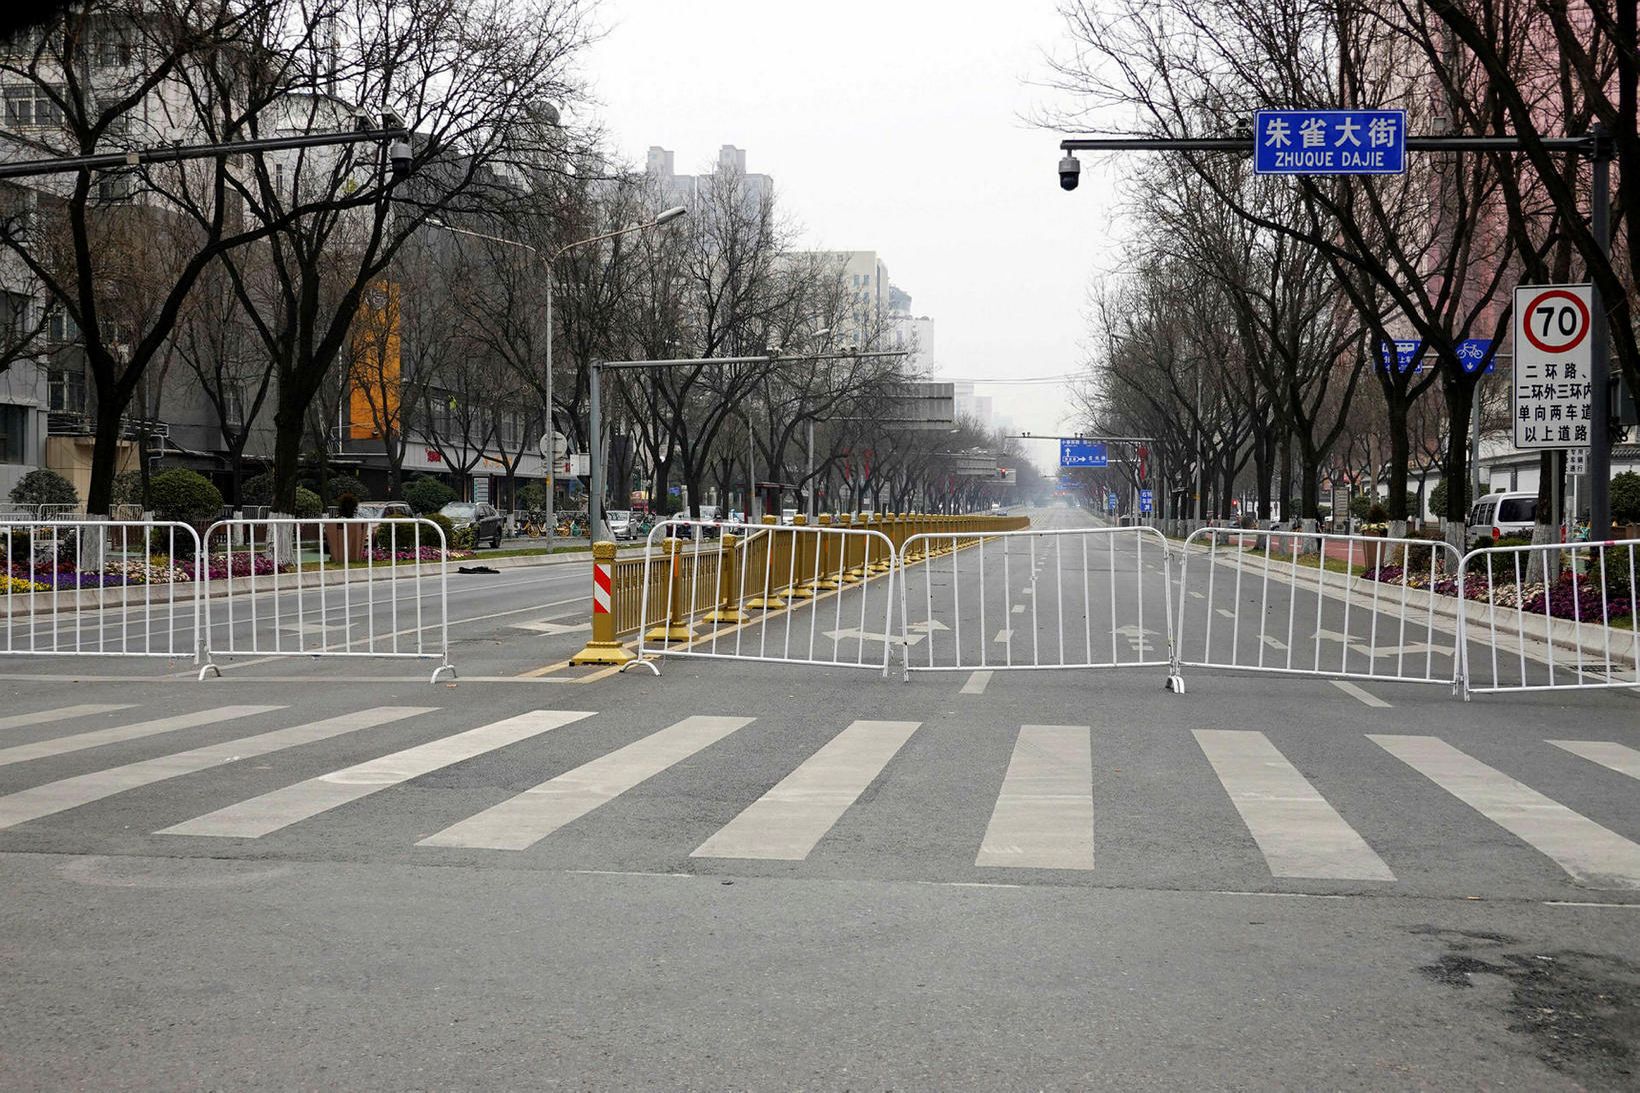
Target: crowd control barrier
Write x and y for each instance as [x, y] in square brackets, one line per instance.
[1548, 617]
[1078, 598]
[328, 587]
[1337, 606]
[107, 588]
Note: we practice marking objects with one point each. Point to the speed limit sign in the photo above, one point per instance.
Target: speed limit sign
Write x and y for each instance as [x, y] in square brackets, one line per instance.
[1553, 361]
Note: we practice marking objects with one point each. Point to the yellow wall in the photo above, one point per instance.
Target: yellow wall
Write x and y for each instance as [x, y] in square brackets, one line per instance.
[374, 400]
[70, 456]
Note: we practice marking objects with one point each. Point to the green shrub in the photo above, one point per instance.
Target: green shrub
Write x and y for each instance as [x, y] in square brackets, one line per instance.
[427, 495]
[257, 489]
[43, 487]
[308, 504]
[445, 526]
[1377, 514]
[532, 496]
[128, 488]
[1514, 541]
[338, 484]
[1437, 498]
[347, 505]
[185, 496]
[1625, 498]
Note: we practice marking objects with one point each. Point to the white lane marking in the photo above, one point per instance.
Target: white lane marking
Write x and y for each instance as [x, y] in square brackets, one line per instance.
[258, 816]
[1299, 833]
[976, 683]
[543, 627]
[1226, 612]
[1612, 756]
[1043, 817]
[67, 793]
[1019, 609]
[96, 738]
[1360, 694]
[1198, 595]
[64, 713]
[1591, 854]
[1003, 636]
[524, 820]
[785, 823]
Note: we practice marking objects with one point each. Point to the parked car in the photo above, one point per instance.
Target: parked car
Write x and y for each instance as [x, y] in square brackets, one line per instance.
[1500, 514]
[481, 516]
[621, 524]
[386, 510]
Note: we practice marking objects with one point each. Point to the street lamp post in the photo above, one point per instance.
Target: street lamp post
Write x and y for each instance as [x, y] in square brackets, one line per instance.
[550, 264]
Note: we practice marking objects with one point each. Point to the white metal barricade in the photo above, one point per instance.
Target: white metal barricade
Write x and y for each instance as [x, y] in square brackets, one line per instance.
[1070, 598]
[98, 587]
[327, 587]
[1338, 606]
[790, 594]
[1546, 617]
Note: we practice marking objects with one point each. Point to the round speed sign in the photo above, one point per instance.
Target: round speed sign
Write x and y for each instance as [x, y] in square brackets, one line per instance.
[1556, 321]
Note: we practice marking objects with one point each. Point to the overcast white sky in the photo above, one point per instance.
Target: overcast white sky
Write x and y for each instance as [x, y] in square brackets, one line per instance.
[896, 126]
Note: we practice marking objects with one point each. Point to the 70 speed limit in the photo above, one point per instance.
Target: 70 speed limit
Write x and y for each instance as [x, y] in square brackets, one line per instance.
[1553, 359]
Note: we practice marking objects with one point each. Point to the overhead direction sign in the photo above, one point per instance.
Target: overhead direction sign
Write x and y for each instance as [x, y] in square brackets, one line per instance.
[1082, 453]
[1553, 362]
[1330, 142]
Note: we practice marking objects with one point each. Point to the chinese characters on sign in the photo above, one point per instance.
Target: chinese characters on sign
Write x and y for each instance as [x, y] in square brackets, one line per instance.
[1553, 359]
[1082, 453]
[1145, 500]
[1330, 142]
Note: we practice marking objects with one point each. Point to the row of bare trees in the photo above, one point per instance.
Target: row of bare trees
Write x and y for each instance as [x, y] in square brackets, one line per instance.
[1248, 325]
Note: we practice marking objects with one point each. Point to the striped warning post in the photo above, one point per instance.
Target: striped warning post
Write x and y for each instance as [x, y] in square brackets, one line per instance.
[604, 648]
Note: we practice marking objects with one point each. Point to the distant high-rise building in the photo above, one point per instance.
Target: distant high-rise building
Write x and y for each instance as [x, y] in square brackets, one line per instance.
[676, 189]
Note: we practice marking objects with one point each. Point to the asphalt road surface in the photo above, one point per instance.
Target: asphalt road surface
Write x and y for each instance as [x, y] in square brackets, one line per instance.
[328, 873]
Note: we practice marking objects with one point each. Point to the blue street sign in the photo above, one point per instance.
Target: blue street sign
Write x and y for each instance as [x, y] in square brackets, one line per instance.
[1330, 142]
[1145, 500]
[1110, 502]
[1082, 453]
[1471, 351]
[1066, 482]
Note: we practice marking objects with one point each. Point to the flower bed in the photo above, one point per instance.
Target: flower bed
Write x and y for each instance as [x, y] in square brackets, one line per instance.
[1569, 596]
[425, 554]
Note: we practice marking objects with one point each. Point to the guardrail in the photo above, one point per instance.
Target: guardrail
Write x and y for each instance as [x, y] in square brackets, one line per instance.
[1072, 598]
[1548, 616]
[327, 587]
[98, 587]
[1303, 609]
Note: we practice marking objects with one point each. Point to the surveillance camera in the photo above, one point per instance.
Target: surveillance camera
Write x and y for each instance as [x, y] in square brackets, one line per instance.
[1070, 172]
[398, 156]
[391, 120]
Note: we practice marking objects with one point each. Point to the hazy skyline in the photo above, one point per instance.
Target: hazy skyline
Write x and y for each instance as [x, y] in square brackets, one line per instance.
[900, 128]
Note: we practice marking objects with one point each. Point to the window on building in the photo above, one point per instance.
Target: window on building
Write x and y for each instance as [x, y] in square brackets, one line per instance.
[14, 328]
[13, 430]
[111, 49]
[66, 390]
[113, 187]
[60, 329]
[16, 206]
[31, 106]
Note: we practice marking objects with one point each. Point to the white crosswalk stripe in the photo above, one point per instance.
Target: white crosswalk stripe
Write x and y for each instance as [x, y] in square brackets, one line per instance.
[59, 796]
[1592, 854]
[63, 745]
[1624, 760]
[1299, 833]
[526, 819]
[1044, 815]
[283, 807]
[65, 713]
[786, 822]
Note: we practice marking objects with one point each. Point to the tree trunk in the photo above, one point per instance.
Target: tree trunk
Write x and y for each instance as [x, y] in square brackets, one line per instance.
[1400, 454]
[104, 458]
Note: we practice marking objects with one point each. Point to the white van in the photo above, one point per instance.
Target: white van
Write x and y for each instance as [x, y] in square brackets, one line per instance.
[1500, 514]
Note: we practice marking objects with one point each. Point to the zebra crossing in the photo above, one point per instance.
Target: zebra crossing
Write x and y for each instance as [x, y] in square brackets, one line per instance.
[1042, 804]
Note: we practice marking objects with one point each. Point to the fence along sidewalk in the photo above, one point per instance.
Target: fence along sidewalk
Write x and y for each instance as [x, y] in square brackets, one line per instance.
[1037, 599]
[799, 593]
[1547, 616]
[1293, 603]
[329, 587]
[82, 587]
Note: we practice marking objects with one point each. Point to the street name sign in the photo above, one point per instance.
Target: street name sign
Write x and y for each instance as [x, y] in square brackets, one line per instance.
[1145, 499]
[1330, 142]
[1082, 453]
[1553, 360]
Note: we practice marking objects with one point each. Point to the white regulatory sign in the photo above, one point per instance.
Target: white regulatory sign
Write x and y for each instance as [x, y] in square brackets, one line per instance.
[1553, 359]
